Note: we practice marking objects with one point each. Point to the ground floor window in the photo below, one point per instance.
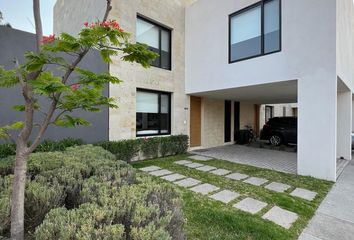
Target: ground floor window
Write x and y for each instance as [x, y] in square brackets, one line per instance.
[153, 113]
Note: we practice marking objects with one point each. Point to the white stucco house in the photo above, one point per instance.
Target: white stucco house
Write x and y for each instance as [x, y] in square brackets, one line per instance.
[220, 60]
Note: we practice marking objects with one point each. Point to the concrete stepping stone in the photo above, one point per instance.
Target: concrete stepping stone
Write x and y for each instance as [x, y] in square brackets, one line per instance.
[220, 172]
[183, 162]
[173, 177]
[281, 217]
[206, 168]
[237, 176]
[188, 182]
[160, 173]
[150, 169]
[194, 165]
[277, 187]
[205, 188]
[250, 205]
[200, 158]
[256, 181]
[304, 194]
[225, 196]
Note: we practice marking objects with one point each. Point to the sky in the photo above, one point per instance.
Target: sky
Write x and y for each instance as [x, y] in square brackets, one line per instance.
[19, 13]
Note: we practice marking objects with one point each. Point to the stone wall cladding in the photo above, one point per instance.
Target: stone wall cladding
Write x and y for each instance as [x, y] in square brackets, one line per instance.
[123, 119]
[212, 122]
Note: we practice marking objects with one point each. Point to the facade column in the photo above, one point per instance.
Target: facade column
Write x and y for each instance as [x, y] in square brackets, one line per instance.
[317, 117]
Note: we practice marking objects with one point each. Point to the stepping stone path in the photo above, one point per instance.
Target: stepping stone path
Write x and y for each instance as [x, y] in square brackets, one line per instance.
[194, 165]
[277, 215]
[188, 182]
[225, 196]
[250, 205]
[205, 188]
[220, 172]
[277, 187]
[161, 172]
[237, 176]
[206, 168]
[174, 177]
[281, 217]
[304, 194]
[256, 181]
[150, 169]
[200, 158]
[183, 162]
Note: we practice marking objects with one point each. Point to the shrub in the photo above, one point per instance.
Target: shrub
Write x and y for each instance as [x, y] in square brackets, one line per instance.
[51, 146]
[7, 149]
[6, 165]
[143, 210]
[5, 192]
[40, 197]
[124, 150]
[150, 147]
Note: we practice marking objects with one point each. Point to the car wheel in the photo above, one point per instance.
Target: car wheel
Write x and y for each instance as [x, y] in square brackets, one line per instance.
[275, 140]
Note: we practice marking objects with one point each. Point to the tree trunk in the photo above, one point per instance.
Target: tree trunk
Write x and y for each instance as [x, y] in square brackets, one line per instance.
[18, 194]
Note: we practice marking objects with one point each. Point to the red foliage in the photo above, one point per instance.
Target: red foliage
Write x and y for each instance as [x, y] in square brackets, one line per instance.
[75, 86]
[106, 24]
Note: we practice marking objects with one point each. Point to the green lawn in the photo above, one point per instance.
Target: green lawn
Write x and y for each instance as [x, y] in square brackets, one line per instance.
[208, 219]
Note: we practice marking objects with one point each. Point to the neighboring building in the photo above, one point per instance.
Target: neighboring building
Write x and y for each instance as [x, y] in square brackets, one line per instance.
[220, 60]
[13, 44]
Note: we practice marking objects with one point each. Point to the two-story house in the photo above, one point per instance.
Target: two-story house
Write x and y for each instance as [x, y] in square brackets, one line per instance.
[218, 59]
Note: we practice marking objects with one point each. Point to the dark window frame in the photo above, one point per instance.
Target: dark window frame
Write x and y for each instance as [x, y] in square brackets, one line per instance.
[159, 107]
[271, 113]
[160, 27]
[257, 4]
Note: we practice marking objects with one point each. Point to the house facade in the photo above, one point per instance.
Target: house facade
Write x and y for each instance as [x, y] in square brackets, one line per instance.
[220, 60]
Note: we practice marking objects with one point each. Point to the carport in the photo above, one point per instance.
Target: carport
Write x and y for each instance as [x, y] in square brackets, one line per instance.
[312, 157]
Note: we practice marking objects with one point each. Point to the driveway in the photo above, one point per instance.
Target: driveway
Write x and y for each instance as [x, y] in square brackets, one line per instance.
[264, 158]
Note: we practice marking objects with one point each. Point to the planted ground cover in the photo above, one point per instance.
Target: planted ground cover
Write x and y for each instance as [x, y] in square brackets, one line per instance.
[211, 219]
[85, 193]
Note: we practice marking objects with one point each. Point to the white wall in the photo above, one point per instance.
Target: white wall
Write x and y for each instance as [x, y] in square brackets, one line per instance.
[308, 55]
[345, 42]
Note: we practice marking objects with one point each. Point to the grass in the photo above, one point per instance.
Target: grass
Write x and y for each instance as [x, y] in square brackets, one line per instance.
[208, 219]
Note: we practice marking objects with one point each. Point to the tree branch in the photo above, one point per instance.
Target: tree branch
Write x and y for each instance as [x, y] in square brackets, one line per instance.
[38, 23]
[65, 78]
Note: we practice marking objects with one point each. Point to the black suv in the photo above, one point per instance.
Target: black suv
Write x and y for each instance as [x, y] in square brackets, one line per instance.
[280, 130]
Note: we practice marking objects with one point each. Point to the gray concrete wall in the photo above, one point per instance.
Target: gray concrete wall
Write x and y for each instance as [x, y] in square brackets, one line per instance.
[13, 44]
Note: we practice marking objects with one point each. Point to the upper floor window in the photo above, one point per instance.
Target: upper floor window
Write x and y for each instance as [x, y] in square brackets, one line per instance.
[255, 31]
[158, 38]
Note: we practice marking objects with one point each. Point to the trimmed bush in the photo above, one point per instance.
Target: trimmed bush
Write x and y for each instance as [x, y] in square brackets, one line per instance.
[124, 150]
[5, 192]
[51, 146]
[150, 147]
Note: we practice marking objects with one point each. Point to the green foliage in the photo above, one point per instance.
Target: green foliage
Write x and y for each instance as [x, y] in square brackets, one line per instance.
[8, 78]
[150, 147]
[124, 150]
[4, 131]
[51, 146]
[85, 193]
[7, 149]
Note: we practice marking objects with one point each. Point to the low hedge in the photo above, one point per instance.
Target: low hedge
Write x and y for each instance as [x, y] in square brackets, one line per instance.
[85, 193]
[9, 149]
[145, 148]
[125, 150]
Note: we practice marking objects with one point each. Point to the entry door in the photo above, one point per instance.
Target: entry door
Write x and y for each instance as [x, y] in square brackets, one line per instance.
[195, 122]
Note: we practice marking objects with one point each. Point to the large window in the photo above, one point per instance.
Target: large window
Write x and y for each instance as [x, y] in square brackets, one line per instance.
[255, 31]
[158, 38]
[153, 113]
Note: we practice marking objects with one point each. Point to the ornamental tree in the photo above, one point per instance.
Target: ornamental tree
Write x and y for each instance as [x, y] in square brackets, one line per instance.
[63, 94]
